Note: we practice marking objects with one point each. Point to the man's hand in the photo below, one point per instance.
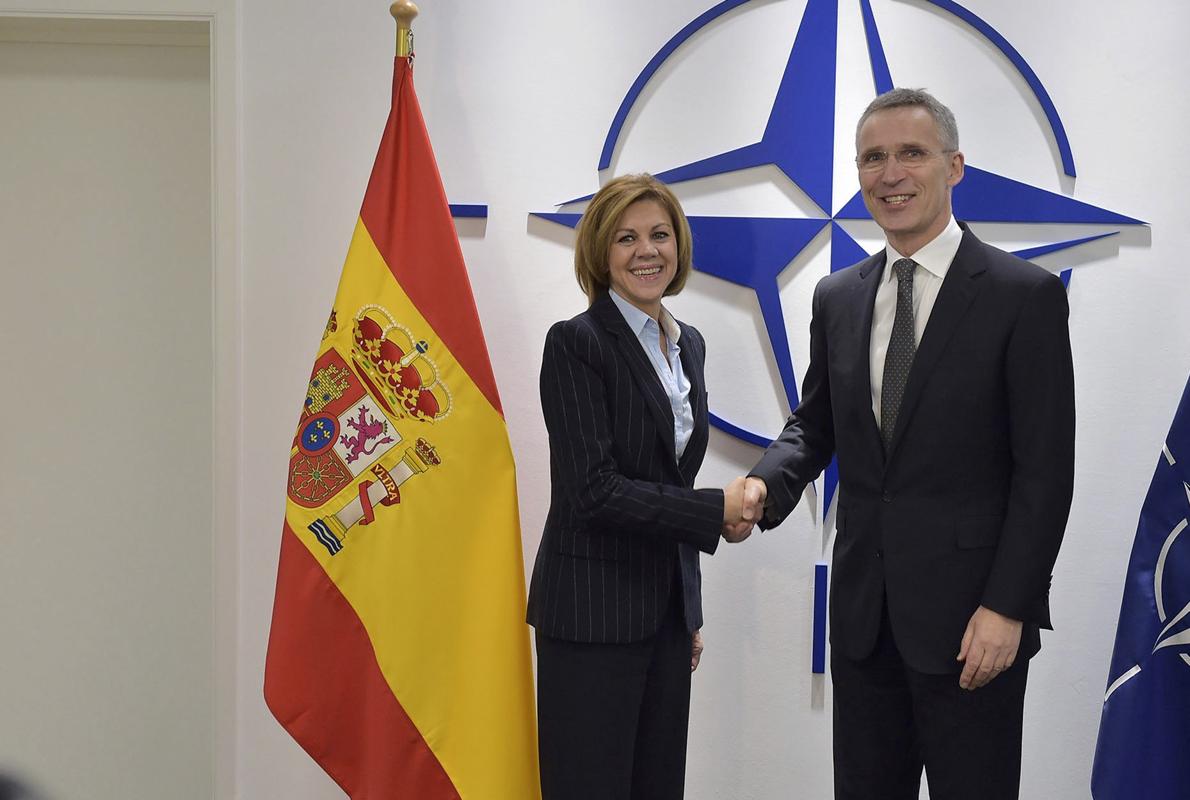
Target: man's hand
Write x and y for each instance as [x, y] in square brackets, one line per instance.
[695, 650]
[755, 492]
[989, 647]
[743, 506]
[735, 527]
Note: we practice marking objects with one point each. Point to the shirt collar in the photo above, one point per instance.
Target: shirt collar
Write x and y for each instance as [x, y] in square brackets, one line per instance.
[934, 257]
[638, 321]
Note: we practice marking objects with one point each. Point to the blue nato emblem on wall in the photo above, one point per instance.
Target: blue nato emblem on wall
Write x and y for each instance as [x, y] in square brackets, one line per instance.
[798, 139]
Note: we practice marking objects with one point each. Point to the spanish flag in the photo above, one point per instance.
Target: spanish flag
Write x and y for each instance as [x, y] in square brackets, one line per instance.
[398, 656]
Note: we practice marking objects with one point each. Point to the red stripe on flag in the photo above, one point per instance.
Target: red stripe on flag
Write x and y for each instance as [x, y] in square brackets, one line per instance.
[324, 686]
[406, 213]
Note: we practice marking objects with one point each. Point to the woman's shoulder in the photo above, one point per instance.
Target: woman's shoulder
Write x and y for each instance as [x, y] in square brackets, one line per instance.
[580, 325]
[590, 323]
[582, 335]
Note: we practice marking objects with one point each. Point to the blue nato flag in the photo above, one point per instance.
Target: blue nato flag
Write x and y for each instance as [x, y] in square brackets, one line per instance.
[1144, 733]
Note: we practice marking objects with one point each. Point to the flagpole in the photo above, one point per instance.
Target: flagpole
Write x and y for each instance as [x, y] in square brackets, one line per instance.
[403, 12]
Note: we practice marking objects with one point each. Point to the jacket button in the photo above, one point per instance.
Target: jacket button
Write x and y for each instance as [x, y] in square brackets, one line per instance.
[879, 554]
[887, 497]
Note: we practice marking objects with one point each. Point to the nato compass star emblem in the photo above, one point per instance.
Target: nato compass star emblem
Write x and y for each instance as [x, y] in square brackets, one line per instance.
[799, 140]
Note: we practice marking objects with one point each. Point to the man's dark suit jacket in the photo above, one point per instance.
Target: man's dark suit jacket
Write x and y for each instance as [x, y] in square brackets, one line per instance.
[623, 518]
[969, 505]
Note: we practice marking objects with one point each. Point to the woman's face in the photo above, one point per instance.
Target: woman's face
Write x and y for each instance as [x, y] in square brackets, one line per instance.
[643, 257]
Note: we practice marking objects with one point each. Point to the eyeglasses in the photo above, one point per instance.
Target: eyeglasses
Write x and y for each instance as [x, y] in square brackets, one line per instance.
[910, 158]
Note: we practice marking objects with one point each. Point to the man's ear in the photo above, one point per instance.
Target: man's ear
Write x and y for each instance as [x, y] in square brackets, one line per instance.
[954, 171]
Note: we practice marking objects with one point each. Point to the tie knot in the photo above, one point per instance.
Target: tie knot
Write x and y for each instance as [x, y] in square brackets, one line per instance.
[904, 268]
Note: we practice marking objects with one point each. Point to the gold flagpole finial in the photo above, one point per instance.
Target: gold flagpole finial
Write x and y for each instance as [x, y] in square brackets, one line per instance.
[403, 12]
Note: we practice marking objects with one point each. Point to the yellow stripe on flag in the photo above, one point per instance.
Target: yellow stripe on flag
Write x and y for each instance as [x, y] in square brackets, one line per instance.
[436, 578]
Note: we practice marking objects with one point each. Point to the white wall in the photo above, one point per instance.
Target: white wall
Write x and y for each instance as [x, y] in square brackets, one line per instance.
[107, 689]
[219, 332]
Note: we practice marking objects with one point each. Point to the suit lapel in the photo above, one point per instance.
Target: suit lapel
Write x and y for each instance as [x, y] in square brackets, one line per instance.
[639, 366]
[870, 273]
[958, 290]
[692, 365]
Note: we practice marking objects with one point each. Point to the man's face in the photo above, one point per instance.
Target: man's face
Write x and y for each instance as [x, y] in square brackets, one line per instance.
[910, 203]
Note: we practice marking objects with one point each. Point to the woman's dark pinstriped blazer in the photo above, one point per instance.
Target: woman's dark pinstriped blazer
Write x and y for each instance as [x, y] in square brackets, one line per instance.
[624, 519]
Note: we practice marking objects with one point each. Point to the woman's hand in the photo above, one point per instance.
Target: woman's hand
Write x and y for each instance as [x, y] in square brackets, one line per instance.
[695, 650]
[735, 527]
[733, 501]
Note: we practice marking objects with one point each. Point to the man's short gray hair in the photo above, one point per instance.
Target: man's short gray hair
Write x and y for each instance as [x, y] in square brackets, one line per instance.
[948, 129]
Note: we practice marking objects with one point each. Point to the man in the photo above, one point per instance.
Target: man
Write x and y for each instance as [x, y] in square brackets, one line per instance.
[940, 375]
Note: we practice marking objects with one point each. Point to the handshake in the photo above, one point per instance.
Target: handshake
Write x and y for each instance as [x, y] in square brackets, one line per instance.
[743, 506]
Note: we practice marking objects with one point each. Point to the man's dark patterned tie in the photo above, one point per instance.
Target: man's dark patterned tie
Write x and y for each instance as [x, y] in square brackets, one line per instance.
[901, 349]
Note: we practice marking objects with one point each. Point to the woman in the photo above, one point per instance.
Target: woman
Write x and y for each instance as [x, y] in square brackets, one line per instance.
[615, 595]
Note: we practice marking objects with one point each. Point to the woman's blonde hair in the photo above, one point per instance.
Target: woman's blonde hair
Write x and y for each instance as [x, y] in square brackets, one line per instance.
[599, 223]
